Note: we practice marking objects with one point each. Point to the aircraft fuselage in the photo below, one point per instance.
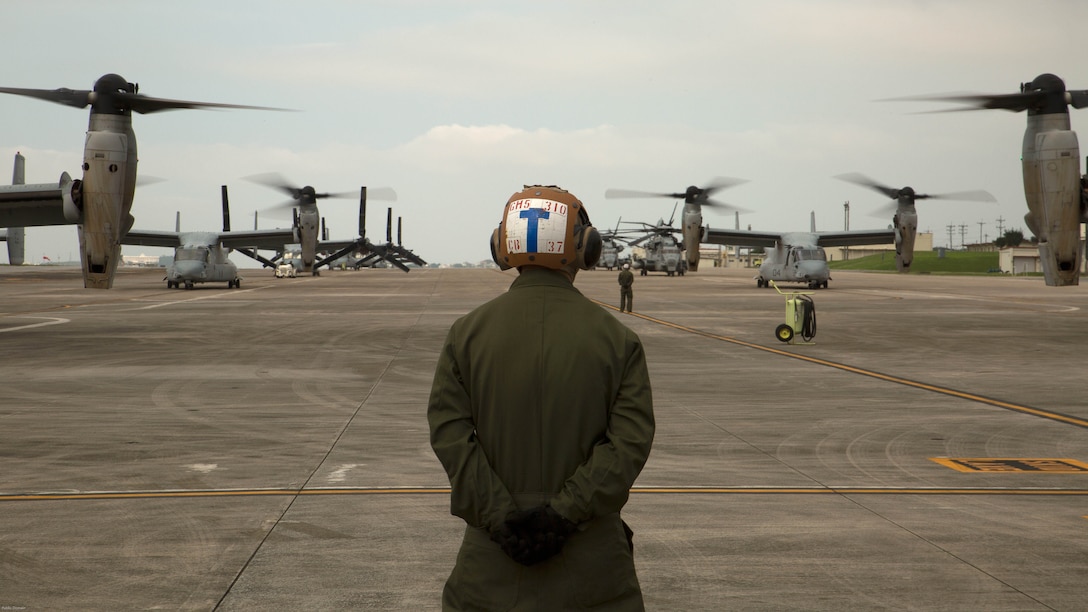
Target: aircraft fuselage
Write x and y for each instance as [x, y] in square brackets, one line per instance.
[797, 263]
[201, 263]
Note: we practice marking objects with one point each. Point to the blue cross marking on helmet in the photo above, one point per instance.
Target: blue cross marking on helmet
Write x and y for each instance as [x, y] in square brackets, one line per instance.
[534, 215]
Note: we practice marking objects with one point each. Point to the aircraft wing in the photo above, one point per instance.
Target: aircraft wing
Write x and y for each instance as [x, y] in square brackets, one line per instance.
[855, 237]
[264, 239]
[741, 237]
[330, 246]
[33, 205]
[152, 238]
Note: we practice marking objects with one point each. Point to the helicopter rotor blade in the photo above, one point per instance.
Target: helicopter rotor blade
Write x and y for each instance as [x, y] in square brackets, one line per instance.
[860, 179]
[718, 204]
[146, 105]
[339, 194]
[68, 97]
[276, 181]
[630, 193]
[977, 195]
[722, 182]
[1014, 102]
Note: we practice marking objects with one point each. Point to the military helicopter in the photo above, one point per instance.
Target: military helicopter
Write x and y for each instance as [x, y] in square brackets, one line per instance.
[15, 236]
[307, 218]
[905, 218]
[101, 203]
[662, 252]
[694, 200]
[611, 247]
[1050, 160]
[202, 257]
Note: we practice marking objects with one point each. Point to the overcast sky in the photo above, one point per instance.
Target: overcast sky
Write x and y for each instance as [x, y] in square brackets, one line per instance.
[457, 104]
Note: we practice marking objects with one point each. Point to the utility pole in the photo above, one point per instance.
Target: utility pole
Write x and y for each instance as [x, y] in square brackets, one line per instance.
[846, 226]
[950, 227]
[1000, 226]
[963, 236]
[980, 224]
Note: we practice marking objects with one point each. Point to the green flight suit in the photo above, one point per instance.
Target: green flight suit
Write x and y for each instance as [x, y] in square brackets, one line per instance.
[627, 292]
[541, 396]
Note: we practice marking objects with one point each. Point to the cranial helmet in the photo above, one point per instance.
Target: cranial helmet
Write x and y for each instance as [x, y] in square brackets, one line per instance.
[547, 227]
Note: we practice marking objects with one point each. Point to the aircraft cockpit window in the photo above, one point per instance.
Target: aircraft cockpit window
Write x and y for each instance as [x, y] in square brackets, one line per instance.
[193, 254]
[810, 255]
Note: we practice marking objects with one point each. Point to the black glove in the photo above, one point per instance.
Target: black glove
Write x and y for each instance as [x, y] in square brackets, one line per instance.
[533, 535]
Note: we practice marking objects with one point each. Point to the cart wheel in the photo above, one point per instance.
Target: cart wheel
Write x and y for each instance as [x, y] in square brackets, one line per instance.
[784, 333]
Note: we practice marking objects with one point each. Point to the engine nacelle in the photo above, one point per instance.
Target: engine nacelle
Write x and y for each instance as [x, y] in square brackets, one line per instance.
[1057, 217]
[71, 193]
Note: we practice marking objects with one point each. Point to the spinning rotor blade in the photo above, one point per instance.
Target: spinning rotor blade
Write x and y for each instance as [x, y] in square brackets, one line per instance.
[112, 94]
[722, 182]
[305, 195]
[68, 97]
[860, 179]
[276, 181]
[628, 193]
[1045, 94]
[978, 195]
[691, 195]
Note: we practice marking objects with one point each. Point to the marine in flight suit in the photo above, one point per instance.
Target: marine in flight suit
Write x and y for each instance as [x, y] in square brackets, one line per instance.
[541, 405]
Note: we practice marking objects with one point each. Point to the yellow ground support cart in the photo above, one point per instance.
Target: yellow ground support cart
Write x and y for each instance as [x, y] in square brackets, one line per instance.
[800, 317]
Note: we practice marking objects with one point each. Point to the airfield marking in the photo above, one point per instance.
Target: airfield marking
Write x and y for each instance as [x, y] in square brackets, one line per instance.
[1046, 414]
[202, 297]
[1006, 465]
[693, 490]
[49, 321]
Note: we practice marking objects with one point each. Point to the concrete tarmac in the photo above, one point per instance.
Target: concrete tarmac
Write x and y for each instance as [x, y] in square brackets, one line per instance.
[267, 447]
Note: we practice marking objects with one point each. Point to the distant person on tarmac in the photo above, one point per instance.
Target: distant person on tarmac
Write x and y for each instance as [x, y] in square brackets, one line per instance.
[542, 416]
[627, 293]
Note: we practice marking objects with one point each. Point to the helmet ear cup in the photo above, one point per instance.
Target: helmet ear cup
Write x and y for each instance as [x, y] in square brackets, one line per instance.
[589, 247]
[495, 238]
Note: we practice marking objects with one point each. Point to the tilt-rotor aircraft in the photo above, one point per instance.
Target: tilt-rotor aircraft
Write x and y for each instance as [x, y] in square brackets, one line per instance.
[1050, 160]
[307, 218]
[905, 215]
[798, 257]
[101, 203]
[694, 200]
[202, 257]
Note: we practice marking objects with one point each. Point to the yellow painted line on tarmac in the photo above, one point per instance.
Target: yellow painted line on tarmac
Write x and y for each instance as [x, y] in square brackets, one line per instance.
[222, 493]
[1046, 414]
[127, 495]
